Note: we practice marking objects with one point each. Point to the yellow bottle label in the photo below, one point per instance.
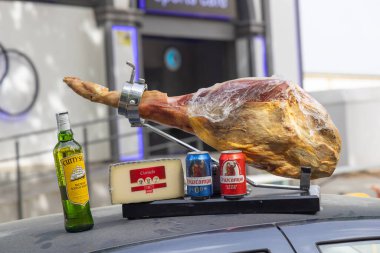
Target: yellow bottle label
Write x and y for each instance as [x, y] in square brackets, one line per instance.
[76, 179]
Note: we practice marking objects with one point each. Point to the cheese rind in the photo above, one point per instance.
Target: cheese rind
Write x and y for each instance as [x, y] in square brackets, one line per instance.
[144, 181]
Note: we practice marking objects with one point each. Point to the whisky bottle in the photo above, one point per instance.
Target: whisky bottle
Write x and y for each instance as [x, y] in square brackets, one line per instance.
[72, 178]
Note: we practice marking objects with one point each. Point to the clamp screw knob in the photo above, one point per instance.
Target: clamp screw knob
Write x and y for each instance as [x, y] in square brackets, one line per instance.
[141, 81]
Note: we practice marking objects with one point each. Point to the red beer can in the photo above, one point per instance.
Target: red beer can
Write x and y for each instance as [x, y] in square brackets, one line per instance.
[232, 174]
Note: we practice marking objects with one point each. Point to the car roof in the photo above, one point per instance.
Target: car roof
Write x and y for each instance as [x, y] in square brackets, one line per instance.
[47, 233]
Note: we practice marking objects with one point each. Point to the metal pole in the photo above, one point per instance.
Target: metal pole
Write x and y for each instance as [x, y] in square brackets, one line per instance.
[251, 59]
[199, 144]
[18, 177]
[113, 123]
[86, 160]
[146, 143]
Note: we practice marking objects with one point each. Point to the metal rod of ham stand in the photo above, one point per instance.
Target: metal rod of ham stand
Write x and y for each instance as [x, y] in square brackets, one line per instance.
[171, 138]
[273, 186]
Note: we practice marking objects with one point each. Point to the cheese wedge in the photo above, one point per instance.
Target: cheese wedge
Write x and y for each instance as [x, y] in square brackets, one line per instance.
[144, 181]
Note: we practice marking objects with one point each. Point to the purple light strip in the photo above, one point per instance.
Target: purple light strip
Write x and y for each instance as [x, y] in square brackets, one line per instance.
[142, 5]
[6, 117]
[189, 14]
[140, 138]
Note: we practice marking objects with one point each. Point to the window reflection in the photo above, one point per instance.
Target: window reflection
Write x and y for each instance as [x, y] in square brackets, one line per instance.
[372, 246]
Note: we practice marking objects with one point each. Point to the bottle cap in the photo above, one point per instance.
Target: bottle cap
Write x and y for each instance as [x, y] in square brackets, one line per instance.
[63, 122]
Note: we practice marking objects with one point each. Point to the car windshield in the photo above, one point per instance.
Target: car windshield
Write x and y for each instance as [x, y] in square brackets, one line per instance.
[372, 246]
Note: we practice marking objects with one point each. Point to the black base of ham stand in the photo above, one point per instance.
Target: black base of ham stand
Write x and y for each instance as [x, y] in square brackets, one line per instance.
[261, 200]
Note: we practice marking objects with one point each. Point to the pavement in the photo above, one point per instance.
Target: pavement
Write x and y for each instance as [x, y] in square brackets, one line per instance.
[355, 182]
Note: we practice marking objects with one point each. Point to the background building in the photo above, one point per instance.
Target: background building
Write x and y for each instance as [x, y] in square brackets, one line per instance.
[177, 47]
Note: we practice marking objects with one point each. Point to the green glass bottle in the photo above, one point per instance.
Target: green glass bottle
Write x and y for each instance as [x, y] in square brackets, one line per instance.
[72, 178]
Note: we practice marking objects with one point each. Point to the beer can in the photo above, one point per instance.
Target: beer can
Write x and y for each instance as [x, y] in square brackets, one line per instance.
[199, 175]
[232, 174]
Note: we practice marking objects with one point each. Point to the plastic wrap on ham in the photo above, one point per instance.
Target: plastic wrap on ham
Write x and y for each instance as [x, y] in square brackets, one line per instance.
[277, 125]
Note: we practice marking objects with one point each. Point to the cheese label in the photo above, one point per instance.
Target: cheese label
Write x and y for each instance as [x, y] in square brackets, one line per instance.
[76, 180]
[148, 179]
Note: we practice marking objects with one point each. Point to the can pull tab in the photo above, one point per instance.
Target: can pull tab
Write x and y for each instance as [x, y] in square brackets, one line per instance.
[130, 98]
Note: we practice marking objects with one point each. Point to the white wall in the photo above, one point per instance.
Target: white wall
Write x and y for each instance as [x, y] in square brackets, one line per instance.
[340, 49]
[285, 47]
[355, 113]
[61, 41]
[340, 36]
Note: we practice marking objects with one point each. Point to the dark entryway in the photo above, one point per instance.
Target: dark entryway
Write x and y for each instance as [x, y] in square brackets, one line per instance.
[181, 66]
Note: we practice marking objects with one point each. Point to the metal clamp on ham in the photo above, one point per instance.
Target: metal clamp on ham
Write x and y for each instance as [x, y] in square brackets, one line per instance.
[130, 99]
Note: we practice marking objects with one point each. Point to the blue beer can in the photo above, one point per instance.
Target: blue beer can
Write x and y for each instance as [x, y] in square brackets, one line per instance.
[199, 175]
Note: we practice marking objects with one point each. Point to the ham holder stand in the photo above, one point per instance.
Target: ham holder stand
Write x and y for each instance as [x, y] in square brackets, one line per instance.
[263, 198]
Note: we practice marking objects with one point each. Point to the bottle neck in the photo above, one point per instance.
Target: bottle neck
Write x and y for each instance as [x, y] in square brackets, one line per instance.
[64, 130]
[65, 135]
